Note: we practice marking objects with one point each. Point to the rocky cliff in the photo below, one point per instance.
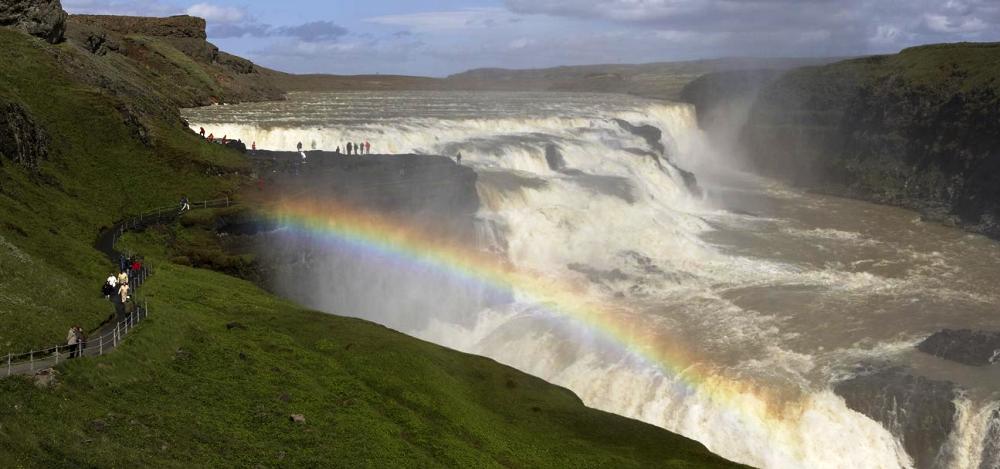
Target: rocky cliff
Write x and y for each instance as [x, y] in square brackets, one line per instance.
[43, 18]
[21, 139]
[173, 51]
[918, 129]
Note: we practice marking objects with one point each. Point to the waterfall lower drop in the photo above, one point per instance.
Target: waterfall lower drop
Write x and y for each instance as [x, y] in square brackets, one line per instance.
[616, 220]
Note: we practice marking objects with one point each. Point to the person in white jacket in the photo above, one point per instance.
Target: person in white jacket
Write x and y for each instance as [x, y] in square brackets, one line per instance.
[71, 340]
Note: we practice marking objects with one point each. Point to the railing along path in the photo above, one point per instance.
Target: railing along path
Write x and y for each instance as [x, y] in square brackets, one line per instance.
[111, 334]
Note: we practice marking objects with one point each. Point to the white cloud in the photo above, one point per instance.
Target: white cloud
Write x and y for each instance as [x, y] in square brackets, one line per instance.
[216, 13]
[438, 21]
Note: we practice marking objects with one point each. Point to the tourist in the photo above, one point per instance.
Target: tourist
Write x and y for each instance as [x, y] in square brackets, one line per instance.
[201, 132]
[224, 139]
[185, 205]
[123, 278]
[136, 269]
[459, 157]
[299, 147]
[81, 341]
[71, 341]
[348, 146]
[211, 138]
[368, 147]
[123, 293]
[107, 289]
[337, 151]
[112, 280]
[253, 147]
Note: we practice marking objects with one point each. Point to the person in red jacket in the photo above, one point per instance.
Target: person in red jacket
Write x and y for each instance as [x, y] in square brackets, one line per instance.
[368, 148]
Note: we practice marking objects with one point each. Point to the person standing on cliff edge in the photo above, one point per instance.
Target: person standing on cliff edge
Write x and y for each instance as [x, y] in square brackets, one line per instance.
[201, 132]
[299, 147]
[368, 147]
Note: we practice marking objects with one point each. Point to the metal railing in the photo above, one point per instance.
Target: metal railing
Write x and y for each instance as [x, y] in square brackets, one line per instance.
[109, 339]
[110, 336]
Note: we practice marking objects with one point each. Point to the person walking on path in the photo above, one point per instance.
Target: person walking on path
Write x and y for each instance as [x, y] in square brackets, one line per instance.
[81, 341]
[136, 269]
[107, 289]
[71, 341]
[123, 293]
[122, 278]
[185, 205]
[368, 147]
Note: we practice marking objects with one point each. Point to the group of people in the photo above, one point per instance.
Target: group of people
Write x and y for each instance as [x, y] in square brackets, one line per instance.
[224, 140]
[356, 149]
[77, 341]
[117, 286]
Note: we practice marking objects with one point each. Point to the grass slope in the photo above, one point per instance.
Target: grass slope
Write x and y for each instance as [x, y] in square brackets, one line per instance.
[186, 391]
[96, 173]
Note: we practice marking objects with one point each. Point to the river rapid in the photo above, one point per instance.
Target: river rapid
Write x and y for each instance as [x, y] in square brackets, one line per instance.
[768, 295]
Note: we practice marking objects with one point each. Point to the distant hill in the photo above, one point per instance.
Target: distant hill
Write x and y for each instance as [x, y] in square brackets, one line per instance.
[663, 80]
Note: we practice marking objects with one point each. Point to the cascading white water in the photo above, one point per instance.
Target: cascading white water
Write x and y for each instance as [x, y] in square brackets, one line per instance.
[750, 293]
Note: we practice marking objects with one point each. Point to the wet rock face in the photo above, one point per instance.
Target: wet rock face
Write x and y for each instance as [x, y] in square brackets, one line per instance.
[918, 411]
[43, 18]
[991, 443]
[21, 139]
[968, 347]
[554, 158]
[650, 134]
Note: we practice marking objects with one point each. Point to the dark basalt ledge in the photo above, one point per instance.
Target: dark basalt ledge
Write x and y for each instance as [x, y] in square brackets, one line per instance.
[919, 411]
[968, 347]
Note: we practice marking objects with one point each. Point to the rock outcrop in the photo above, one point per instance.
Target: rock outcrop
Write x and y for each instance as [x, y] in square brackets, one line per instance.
[182, 26]
[22, 140]
[919, 411]
[973, 348]
[43, 18]
[917, 129]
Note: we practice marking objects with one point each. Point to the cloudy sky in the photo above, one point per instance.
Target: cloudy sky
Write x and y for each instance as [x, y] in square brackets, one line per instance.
[440, 37]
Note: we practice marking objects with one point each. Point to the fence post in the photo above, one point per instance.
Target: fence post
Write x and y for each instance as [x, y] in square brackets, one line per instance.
[31, 361]
[9, 366]
[114, 337]
[57, 354]
[100, 347]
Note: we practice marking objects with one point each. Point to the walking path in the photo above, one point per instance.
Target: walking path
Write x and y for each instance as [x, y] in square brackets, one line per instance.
[113, 331]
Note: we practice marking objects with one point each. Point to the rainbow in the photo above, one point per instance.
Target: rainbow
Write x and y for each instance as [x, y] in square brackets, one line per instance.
[383, 236]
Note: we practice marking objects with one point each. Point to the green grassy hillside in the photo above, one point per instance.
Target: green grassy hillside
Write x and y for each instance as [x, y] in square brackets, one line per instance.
[185, 390]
